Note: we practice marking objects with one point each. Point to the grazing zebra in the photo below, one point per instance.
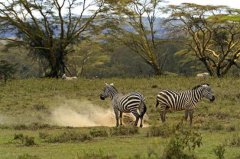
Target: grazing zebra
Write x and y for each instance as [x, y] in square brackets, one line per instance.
[184, 100]
[129, 103]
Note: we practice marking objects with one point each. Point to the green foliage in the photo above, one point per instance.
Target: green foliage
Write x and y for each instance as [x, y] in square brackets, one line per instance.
[67, 136]
[6, 69]
[219, 151]
[25, 140]
[163, 131]
[47, 40]
[99, 133]
[20, 96]
[234, 140]
[122, 130]
[99, 155]
[182, 143]
[212, 40]
[27, 156]
[32, 126]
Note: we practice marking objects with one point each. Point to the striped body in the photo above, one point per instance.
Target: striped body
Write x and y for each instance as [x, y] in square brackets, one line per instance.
[129, 103]
[183, 100]
[178, 101]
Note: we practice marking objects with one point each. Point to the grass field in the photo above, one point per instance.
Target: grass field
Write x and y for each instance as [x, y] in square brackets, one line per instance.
[56, 119]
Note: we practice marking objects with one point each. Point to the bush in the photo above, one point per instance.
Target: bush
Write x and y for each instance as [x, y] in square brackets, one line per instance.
[33, 126]
[235, 140]
[163, 131]
[131, 130]
[231, 128]
[182, 143]
[219, 151]
[43, 135]
[99, 155]
[68, 137]
[7, 69]
[24, 140]
[98, 133]
[27, 156]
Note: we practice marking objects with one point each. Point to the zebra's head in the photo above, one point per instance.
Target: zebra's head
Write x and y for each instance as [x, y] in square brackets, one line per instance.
[108, 91]
[207, 92]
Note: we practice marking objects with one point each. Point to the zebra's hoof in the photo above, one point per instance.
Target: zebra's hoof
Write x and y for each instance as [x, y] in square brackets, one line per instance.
[141, 126]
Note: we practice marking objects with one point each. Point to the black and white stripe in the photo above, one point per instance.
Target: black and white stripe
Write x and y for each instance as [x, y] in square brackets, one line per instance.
[184, 100]
[129, 103]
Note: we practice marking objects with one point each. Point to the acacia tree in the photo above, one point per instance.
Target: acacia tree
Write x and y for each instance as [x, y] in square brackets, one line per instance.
[134, 24]
[212, 37]
[47, 28]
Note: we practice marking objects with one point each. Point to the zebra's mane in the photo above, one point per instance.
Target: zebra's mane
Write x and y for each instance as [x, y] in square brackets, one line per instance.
[114, 88]
[196, 87]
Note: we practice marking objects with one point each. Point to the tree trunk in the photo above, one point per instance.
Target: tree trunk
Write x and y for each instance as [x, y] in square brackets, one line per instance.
[157, 69]
[57, 65]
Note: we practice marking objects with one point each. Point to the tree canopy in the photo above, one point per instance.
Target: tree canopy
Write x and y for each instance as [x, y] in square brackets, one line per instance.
[212, 36]
[47, 28]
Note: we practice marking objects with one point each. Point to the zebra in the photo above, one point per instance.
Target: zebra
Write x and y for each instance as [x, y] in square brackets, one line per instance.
[184, 100]
[129, 103]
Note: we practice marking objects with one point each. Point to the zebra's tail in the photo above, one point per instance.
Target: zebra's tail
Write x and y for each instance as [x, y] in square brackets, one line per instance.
[157, 103]
[143, 109]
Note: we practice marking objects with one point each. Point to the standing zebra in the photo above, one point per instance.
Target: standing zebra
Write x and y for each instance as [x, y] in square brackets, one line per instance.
[184, 100]
[129, 103]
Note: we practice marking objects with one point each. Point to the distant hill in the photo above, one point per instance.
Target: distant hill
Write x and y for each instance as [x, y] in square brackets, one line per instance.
[160, 30]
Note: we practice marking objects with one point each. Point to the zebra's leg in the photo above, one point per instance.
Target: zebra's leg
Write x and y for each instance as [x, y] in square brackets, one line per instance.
[190, 112]
[121, 117]
[135, 113]
[186, 115]
[116, 116]
[143, 111]
[163, 115]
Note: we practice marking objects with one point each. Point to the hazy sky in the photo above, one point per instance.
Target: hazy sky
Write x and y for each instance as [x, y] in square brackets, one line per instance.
[230, 3]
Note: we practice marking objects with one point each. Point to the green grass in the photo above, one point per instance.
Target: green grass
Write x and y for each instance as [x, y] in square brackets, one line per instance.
[26, 105]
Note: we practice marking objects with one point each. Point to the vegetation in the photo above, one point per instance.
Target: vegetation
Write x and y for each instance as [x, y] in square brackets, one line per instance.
[27, 112]
[211, 39]
[140, 36]
[107, 40]
[6, 70]
[43, 118]
[45, 30]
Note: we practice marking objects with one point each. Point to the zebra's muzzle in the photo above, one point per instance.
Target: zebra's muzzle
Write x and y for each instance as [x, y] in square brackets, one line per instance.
[213, 98]
[102, 97]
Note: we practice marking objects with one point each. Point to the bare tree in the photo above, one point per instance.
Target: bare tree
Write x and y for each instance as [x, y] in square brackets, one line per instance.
[47, 28]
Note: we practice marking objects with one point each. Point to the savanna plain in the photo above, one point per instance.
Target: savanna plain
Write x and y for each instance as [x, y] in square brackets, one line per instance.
[57, 119]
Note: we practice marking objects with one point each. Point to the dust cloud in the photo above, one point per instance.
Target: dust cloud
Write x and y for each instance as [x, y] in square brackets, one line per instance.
[76, 113]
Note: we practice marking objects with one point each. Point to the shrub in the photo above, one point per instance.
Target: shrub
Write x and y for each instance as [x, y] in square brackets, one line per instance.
[235, 140]
[231, 128]
[24, 140]
[182, 143]
[98, 133]
[131, 130]
[68, 137]
[43, 135]
[99, 155]
[163, 131]
[219, 151]
[27, 156]
[33, 126]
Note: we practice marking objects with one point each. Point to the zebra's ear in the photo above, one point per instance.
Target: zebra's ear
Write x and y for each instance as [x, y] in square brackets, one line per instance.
[112, 84]
[205, 85]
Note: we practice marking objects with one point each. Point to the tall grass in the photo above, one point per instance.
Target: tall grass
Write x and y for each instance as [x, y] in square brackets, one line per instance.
[38, 96]
[26, 105]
